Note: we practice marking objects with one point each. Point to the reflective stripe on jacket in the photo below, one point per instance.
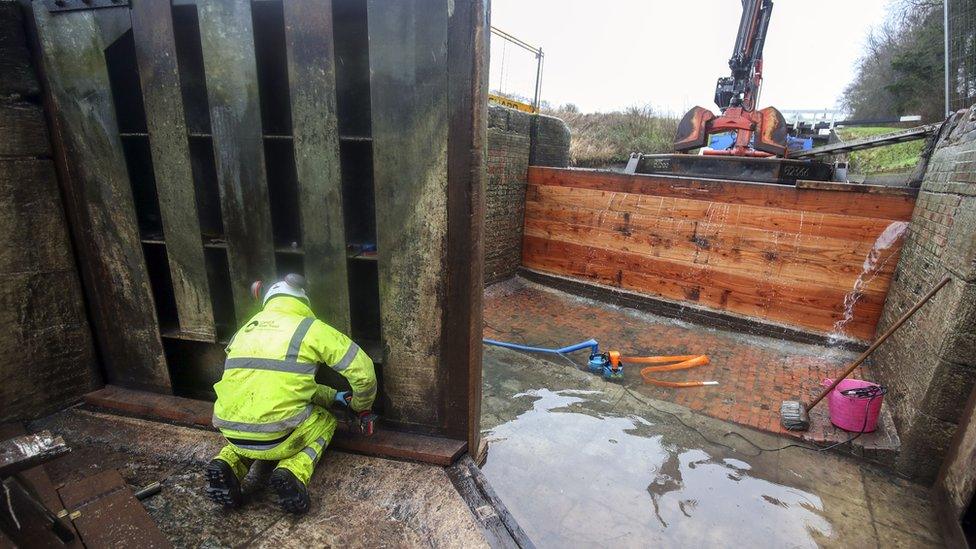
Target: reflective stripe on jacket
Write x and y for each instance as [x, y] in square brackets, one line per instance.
[268, 382]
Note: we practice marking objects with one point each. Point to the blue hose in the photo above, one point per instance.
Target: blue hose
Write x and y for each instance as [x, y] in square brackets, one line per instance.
[591, 344]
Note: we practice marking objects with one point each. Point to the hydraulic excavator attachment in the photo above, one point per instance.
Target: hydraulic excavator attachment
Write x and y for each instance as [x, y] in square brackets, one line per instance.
[758, 133]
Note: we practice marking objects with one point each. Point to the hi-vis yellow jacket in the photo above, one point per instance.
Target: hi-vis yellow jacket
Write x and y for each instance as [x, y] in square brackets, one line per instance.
[268, 386]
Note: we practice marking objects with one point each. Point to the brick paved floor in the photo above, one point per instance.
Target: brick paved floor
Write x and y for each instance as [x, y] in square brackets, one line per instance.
[755, 374]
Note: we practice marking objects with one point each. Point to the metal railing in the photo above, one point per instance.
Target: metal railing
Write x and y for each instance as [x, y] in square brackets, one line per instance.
[959, 17]
[539, 63]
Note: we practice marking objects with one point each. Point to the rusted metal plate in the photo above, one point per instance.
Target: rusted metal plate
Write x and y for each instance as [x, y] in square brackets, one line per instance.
[108, 514]
[227, 41]
[312, 84]
[171, 408]
[401, 445]
[198, 413]
[98, 195]
[155, 48]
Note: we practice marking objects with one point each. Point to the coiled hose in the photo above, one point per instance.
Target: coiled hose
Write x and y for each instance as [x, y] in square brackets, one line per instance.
[681, 362]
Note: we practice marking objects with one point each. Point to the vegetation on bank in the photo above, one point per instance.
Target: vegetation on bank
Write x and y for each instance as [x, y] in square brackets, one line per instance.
[603, 139]
[900, 157]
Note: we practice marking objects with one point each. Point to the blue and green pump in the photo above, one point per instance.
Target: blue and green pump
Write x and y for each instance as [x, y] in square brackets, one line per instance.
[598, 363]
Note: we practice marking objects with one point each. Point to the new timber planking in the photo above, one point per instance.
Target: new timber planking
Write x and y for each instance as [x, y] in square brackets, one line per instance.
[409, 106]
[232, 89]
[311, 78]
[777, 253]
[98, 195]
[155, 49]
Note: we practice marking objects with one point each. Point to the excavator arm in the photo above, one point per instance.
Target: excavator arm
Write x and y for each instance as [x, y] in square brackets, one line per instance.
[758, 133]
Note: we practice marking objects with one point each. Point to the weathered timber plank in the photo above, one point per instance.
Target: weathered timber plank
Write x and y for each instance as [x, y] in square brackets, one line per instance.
[461, 351]
[98, 196]
[198, 413]
[23, 129]
[26, 451]
[735, 192]
[408, 89]
[499, 526]
[311, 81]
[110, 515]
[857, 187]
[812, 307]
[232, 89]
[152, 28]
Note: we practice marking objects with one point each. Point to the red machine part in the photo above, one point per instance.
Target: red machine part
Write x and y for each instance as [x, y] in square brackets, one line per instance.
[759, 133]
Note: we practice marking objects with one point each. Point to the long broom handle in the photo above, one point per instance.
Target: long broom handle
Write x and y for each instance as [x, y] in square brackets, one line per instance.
[881, 340]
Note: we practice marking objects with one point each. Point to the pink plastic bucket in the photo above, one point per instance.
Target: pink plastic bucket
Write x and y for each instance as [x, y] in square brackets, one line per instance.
[848, 412]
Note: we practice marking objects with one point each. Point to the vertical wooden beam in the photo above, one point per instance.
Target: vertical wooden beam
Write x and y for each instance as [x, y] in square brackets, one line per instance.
[311, 82]
[235, 116]
[408, 91]
[152, 27]
[98, 195]
[467, 74]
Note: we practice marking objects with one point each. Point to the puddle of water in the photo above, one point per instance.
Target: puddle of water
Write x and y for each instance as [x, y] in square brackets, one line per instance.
[575, 476]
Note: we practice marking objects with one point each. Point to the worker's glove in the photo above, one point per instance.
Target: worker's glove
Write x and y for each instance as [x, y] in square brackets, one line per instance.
[365, 422]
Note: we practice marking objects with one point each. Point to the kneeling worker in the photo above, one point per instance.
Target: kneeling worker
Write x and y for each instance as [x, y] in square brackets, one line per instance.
[268, 404]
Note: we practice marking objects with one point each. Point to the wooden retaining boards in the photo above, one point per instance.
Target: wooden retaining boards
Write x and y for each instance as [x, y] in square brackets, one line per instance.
[98, 195]
[311, 80]
[235, 116]
[773, 252]
[155, 48]
[409, 106]
[198, 413]
[894, 207]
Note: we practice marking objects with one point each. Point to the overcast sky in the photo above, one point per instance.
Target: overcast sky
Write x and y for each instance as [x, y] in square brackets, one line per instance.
[605, 55]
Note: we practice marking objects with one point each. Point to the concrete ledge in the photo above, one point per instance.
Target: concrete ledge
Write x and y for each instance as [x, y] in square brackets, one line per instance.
[197, 413]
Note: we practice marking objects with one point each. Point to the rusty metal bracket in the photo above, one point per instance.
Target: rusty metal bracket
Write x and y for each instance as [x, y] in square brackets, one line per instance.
[55, 6]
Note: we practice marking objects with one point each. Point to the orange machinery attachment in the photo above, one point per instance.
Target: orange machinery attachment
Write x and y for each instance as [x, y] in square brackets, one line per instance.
[758, 133]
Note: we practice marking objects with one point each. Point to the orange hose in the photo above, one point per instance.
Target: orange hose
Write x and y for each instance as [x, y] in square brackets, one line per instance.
[681, 362]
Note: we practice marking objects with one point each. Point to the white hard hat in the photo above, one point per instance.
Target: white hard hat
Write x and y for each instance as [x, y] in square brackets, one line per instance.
[293, 285]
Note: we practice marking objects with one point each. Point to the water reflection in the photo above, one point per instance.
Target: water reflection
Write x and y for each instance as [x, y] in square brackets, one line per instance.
[573, 473]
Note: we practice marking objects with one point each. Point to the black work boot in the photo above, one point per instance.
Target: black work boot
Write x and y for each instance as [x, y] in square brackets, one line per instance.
[292, 495]
[222, 484]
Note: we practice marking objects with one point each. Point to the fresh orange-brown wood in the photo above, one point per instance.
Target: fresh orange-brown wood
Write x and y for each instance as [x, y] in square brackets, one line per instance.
[773, 252]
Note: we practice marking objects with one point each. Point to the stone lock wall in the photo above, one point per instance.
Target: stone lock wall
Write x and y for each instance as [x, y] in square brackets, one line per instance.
[929, 365]
[48, 358]
[515, 140]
